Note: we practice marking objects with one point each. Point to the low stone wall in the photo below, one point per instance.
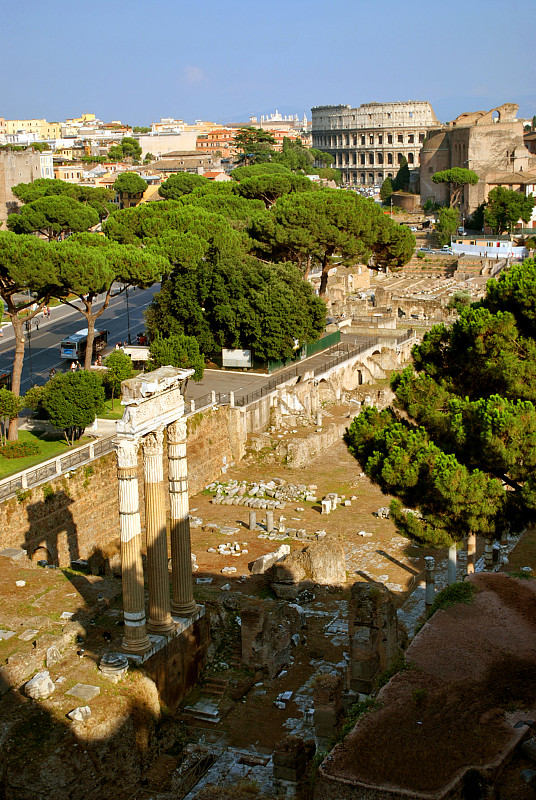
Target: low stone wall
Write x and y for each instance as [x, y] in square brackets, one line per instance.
[299, 453]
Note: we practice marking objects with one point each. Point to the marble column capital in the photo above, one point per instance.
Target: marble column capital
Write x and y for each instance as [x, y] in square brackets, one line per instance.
[176, 431]
[153, 443]
[126, 450]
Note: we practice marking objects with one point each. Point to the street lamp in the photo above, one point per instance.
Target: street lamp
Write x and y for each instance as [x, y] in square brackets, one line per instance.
[28, 326]
[128, 316]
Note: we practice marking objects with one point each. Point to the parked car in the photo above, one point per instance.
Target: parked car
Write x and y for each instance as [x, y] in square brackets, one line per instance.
[446, 249]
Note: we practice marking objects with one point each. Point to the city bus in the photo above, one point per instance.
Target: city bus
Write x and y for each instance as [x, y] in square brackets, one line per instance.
[74, 347]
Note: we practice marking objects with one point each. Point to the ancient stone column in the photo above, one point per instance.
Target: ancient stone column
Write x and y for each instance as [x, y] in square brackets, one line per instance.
[269, 520]
[488, 552]
[451, 571]
[252, 520]
[471, 553]
[135, 638]
[160, 620]
[183, 603]
[429, 592]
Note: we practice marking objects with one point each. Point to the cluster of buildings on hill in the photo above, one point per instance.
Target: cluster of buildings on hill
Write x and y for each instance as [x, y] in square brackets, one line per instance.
[368, 145]
[168, 146]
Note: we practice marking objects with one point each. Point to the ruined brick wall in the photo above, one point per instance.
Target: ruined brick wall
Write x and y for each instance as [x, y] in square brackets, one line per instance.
[68, 518]
[77, 516]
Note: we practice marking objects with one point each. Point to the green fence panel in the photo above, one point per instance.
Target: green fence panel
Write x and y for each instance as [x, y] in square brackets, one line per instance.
[322, 344]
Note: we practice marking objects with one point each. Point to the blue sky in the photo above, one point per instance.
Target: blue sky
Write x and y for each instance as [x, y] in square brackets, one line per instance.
[223, 60]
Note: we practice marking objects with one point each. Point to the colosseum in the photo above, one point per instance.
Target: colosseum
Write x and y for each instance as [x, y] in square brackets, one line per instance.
[368, 143]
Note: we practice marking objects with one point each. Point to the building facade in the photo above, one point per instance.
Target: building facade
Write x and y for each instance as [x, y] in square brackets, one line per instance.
[368, 143]
[17, 167]
[488, 143]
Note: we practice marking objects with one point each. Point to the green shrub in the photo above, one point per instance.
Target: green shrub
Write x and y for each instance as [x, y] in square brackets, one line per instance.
[460, 592]
[48, 492]
[19, 449]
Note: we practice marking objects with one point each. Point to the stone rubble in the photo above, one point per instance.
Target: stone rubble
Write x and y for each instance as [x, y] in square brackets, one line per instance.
[40, 686]
[275, 493]
[80, 714]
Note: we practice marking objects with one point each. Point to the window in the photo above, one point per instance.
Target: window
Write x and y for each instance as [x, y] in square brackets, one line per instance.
[362, 158]
[421, 137]
[389, 137]
[380, 158]
[411, 158]
[371, 158]
[380, 139]
[400, 137]
[389, 158]
[362, 140]
[371, 138]
[411, 138]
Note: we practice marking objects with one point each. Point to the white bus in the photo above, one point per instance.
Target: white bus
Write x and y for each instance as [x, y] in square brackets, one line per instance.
[74, 347]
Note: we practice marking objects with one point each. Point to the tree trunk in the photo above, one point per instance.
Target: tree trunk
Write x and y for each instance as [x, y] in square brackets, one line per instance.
[18, 360]
[324, 277]
[90, 335]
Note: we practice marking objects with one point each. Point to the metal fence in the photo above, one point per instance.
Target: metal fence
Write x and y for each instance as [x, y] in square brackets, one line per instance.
[54, 467]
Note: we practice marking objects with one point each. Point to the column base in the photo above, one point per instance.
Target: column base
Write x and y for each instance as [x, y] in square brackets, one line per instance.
[183, 609]
[136, 647]
[161, 628]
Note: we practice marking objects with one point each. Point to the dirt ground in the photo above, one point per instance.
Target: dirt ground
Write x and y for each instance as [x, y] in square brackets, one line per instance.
[95, 605]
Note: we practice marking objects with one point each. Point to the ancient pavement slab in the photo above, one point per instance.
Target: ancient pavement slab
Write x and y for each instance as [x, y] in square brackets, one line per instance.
[4, 635]
[28, 634]
[84, 691]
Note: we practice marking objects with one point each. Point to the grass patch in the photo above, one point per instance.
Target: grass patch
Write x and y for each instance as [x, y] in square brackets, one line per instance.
[49, 445]
[355, 712]
[460, 592]
[109, 413]
[398, 664]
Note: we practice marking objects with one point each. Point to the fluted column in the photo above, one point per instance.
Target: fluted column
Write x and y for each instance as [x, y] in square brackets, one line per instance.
[135, 638]
[155, 522]
[183, 603]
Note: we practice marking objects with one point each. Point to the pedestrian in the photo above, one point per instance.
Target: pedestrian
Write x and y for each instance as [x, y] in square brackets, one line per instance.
[117, 345]
[36, 324]
[73, 366]
[51, 373]
[48, 312]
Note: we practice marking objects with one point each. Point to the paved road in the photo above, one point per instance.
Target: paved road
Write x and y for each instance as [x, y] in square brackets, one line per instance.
[43, 351]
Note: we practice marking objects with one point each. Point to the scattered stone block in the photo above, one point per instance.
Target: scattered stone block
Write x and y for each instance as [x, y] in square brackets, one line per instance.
[80, 714]
[528, 749]
[5, 635]
[27, 635]
[53, 656]
[228, 570]
[84, 691]
[114, 666]
[204, 581]
[40, 686]
[66, 614]
[226, 587]
[20, 584]
[14, 553]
